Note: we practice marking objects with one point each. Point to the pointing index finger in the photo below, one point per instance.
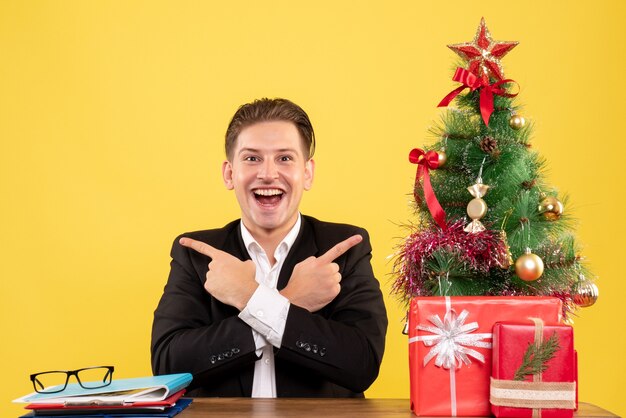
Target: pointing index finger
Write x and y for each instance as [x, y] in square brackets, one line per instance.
[199, 246]
[340, 249]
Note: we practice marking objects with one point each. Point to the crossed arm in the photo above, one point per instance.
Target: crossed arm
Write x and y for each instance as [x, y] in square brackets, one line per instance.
[313, 284]
[196, 321]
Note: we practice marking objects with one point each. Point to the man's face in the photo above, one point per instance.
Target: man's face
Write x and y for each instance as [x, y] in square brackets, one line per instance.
[269, 172]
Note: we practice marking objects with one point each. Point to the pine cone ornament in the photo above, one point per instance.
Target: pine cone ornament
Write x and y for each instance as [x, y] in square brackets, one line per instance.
[489, 145]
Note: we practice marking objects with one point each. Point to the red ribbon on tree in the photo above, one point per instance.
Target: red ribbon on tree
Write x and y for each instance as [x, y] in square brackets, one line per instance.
[426, 161]
[473, 82]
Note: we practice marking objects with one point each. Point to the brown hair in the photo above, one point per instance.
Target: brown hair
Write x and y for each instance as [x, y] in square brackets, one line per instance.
[266, 110]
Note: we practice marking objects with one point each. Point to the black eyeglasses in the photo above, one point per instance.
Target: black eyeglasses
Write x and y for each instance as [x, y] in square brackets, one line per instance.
[88, 378]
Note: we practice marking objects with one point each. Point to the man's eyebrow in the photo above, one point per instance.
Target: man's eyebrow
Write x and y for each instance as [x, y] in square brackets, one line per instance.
[254, 150]
[241, 151]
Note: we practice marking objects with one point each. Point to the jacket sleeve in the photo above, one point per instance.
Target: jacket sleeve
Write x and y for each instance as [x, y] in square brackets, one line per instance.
[193, 332]
[344, 342]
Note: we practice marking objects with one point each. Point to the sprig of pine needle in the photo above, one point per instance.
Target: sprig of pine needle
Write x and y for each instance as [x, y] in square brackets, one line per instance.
[536, 357]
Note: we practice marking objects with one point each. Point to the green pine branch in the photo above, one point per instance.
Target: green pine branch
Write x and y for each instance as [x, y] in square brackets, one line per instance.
[536, 357]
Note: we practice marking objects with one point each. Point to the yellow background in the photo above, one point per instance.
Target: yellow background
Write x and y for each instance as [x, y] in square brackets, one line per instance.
[112, 115]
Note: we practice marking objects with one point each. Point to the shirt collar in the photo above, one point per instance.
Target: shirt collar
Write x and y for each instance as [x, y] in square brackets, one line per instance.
[252, 245]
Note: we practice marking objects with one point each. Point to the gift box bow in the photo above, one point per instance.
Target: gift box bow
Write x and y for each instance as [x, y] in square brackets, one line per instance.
[451, 338]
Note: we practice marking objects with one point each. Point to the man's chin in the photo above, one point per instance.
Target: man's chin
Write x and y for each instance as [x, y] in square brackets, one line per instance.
[269, 222]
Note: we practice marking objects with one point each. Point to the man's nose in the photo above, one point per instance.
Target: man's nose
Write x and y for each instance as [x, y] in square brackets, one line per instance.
[268, 170]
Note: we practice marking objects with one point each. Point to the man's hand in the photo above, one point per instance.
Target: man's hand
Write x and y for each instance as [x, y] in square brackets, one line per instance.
[229, 280]
[314, 282]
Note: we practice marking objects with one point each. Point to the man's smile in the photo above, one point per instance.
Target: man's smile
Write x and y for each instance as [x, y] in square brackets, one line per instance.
[268, 197]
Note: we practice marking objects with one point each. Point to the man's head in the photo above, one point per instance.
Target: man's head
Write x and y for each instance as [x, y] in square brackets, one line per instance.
[267, 110]
[269, 145]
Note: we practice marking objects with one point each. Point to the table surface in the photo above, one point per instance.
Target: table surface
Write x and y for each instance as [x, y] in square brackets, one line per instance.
[322, 407]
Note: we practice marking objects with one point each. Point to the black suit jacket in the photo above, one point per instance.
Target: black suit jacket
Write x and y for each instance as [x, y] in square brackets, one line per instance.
[335, 352]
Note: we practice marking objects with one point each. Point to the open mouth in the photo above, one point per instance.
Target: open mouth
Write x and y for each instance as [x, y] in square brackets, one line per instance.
[268, 197]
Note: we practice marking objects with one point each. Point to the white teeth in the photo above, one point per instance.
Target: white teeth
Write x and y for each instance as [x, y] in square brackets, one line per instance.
[267, 192]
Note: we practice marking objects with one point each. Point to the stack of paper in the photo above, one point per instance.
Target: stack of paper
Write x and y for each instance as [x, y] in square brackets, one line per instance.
[158, 396]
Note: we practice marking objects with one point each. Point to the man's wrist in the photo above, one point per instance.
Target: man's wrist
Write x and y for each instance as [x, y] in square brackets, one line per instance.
[245, 295]
[285, 292]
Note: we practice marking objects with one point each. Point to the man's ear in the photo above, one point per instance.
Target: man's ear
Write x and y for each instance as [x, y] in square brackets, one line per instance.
[227, 175]
[309, 171]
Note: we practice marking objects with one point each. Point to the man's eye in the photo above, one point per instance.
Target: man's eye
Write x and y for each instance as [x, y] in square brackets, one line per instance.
[253, 159]
[286, 158]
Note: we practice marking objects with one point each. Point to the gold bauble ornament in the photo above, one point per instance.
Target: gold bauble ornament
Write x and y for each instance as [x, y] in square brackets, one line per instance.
[551, 208]
[585, 293]
[517, 122]
[529, 266]
[443, 158]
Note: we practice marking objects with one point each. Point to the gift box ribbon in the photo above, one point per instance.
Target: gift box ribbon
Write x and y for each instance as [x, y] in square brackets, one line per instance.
[450, 340]
[535, 394]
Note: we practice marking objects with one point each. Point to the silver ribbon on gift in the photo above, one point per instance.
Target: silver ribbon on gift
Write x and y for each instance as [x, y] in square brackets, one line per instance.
[451, 339]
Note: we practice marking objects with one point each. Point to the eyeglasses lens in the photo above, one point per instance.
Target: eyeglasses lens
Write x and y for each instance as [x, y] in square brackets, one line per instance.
[95, 377]
[50, 382]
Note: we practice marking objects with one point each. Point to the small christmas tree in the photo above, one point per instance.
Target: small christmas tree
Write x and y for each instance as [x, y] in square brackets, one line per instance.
[488, 224]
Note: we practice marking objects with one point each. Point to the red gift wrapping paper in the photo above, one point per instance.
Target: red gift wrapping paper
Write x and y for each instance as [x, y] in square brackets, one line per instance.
[510, 341]
[463, 389]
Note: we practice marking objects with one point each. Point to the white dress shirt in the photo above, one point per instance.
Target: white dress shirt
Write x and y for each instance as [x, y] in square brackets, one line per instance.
[266, 311]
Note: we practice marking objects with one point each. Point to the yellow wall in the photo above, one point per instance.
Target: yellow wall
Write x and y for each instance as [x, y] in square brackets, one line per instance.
[112, 116]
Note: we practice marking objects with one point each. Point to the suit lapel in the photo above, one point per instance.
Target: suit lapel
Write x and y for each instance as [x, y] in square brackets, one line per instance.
[304, 246]
[234, 245]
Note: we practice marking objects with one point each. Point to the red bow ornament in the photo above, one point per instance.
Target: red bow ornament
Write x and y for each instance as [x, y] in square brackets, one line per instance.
[426, 161]
[473, 82]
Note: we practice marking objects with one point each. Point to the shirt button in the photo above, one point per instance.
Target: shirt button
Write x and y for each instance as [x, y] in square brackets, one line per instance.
[259, 314]
[267, 361]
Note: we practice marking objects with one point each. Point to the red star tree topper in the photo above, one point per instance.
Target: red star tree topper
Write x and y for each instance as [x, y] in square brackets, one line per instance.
[483, 54]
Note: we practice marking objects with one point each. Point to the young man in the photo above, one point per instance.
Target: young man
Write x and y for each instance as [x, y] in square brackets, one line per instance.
[276, 304]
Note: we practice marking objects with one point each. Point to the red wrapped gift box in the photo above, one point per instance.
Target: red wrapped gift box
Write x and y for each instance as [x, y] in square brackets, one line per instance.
[450, 348]
[552, 393]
